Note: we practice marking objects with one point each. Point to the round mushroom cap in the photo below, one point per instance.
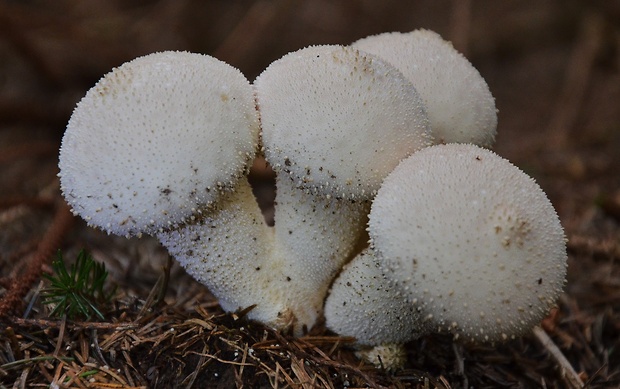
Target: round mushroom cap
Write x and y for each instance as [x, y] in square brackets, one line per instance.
[338, 120]
[472, 239]
[156, 140]
[458, 101]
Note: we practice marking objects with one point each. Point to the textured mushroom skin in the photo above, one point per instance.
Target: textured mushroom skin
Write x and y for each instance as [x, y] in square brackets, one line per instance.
[332, 140]
[234, 253]
[473, 241]
[230, 250]
[140, 149]
[316, 235]
[458, 101]
[365, 305]
[338, 120]
[146, 152]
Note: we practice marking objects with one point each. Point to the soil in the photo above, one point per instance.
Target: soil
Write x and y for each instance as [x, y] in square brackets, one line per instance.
[553, 67]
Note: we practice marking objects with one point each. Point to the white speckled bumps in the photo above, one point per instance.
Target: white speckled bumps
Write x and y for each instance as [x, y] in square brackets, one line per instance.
[459, 103]
[471, 243]
[156, 140]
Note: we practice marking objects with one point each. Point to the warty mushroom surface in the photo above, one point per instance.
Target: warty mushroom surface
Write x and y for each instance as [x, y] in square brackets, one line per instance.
[471, 243]
[169, 117]
[460, 105]
[161, 145]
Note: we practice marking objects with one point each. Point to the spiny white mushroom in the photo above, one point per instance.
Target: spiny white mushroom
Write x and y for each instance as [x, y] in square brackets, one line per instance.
[334, 123]
[161, 146]
[458, 101]
[337, 120]
[156, 140]
[489, 262]
[471, 242]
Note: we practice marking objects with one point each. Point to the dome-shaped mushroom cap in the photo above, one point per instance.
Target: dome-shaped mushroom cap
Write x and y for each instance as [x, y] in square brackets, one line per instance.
[155, 139]
[458, 101]
[473, 240]
[338, 120]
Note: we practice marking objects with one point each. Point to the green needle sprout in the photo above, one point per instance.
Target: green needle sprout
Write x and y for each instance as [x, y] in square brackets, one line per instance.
[79, 290]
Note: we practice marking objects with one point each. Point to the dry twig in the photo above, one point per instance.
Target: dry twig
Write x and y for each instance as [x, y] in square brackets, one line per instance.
[568, 373]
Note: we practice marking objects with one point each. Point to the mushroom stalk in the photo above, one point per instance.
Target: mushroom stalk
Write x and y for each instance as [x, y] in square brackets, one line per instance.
[229, 249]
[314, 237]
[283, 271]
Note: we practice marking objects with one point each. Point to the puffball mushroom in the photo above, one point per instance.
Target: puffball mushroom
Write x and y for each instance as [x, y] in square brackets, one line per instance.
[337, 120]
[161, 146]
[458, 101]
[156, 141]
[334, 123]
[469, 240]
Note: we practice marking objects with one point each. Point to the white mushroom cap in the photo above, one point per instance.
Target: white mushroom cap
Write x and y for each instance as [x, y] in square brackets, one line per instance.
[472, 239]
[458, 101]
[155, 140]
[338, 120]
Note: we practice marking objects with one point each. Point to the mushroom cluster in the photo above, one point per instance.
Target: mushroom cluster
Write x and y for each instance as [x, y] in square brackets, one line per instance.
[381, 133]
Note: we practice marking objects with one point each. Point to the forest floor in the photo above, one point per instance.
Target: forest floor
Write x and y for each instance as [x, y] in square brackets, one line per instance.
[553, 67]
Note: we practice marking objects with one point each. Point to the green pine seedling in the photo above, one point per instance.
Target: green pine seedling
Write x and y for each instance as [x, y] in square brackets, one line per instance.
[79, 290]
